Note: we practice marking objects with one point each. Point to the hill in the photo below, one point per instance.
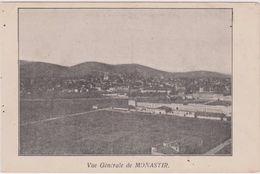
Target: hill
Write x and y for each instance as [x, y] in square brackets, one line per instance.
[89, 67]
[39, 69]
[200, 74]
[48, 70]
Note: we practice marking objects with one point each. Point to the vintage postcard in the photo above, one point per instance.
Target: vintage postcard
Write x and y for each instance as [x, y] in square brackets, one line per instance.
[130, 87]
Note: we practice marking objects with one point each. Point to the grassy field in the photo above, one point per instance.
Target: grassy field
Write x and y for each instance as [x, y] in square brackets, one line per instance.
[108, 132]
[34, 110]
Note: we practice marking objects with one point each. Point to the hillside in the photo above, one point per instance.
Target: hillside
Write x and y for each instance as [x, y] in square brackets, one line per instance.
[40, 69]
[48, 70]
[200, 74]
[141, 69]
[88, 67]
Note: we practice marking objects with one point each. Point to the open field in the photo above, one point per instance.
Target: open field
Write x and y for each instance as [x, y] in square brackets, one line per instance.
[107, 132]
[37, 109]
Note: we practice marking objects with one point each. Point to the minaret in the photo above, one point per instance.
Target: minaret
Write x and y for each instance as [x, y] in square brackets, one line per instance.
[106, 77]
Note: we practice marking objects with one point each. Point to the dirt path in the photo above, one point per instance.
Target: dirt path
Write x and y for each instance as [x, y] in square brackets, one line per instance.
[218, 148]
[62, 117]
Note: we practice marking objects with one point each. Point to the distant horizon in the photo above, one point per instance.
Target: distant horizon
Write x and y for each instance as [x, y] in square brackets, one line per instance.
[199, 70]
[178, 40]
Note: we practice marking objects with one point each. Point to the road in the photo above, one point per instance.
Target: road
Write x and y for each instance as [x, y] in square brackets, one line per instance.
[62, 117]
[218, 148]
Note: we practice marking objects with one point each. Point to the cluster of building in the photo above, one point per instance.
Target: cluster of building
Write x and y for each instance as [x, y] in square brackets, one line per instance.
[132, 84]
[200, 111]
[183, 145]
[205, 95]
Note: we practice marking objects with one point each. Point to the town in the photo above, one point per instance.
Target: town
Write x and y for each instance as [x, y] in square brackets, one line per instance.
[197, 101]
[127, 85]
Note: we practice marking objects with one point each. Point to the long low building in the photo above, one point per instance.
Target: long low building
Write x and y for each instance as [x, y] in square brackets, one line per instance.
[151, 110]
[189, 107]
[211, 96]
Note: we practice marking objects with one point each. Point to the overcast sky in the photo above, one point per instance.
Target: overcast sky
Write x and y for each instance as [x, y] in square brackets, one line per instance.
[168, 39]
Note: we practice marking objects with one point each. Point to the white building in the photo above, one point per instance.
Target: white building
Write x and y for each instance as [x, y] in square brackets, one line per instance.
[95, 107]
[151, 110]
[207, 96]
[227, 110]
[132, 102]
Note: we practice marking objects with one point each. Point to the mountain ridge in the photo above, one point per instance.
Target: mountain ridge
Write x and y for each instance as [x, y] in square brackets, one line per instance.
[33, 69]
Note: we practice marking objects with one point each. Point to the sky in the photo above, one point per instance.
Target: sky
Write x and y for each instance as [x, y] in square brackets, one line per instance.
[174, 40]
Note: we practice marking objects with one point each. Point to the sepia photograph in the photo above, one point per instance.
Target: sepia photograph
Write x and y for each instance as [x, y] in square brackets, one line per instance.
[125, 81]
